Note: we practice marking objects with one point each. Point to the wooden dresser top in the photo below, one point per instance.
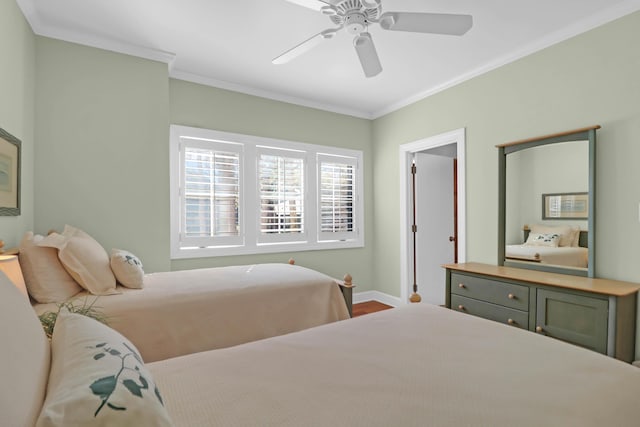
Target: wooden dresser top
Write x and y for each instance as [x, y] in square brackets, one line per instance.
[586, 284]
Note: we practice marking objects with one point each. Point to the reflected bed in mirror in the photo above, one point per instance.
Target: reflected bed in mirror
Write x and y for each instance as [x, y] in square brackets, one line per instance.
[544, 247]
[546, 203]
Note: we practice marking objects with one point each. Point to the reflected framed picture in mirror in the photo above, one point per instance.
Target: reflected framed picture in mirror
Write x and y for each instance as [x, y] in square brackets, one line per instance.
[9, 174]
[565, 206]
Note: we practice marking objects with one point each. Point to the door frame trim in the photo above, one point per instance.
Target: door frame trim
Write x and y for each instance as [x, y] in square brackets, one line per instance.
[457, 137]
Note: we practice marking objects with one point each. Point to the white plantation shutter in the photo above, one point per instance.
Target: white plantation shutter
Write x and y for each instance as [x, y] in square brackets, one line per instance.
[281, 195]
[211, 194]
[337, 197]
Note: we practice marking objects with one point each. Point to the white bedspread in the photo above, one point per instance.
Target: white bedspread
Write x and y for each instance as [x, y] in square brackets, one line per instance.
[419, 365]
[183, 312]
[566, 255]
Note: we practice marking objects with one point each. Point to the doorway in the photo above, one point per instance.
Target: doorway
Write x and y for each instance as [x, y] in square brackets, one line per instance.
[436, 220]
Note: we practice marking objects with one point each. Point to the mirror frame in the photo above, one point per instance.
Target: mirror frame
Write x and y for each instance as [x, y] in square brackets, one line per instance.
[14, 194]
[587, 134]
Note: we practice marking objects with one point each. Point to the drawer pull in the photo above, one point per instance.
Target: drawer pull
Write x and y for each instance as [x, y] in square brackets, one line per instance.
[511, 296]
[511, 322]
[539, 329]
[461, 307]
[461, 285]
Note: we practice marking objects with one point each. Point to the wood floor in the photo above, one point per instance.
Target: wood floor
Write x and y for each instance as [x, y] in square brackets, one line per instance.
[368, 307]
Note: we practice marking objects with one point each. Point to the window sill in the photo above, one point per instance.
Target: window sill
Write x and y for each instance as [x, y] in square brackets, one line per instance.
[178, 253]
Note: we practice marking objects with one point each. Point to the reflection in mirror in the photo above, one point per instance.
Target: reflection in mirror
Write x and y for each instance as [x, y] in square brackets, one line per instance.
[546, 203]
[540, 182]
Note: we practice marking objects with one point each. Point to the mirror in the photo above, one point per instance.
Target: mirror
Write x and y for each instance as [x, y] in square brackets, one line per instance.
[9, 174]
[546, 203]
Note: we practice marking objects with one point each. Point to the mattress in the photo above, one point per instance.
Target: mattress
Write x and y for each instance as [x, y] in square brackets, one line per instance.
[418, 365]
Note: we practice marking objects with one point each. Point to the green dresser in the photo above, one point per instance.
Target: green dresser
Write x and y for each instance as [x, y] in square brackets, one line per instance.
[597, 314]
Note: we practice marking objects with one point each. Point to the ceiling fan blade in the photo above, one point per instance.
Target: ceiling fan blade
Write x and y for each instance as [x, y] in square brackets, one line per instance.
[305, 46]
[367, 53]
[435, 23]
[311, 4]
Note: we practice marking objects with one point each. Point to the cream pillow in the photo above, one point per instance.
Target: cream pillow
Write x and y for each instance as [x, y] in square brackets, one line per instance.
[127, 268]
[98, 378]
[25, 359]
[84, 259]
[565, 232]
[535, 239]
[45, 277]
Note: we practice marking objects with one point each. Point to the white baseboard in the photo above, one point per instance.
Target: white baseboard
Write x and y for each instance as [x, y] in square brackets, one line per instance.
[376, 296]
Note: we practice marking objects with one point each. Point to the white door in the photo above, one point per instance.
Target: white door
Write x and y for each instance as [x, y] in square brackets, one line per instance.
[435, 224]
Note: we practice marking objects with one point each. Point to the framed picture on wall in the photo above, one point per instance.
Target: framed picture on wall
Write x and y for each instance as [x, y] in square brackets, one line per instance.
[9, 174]
[565, 206]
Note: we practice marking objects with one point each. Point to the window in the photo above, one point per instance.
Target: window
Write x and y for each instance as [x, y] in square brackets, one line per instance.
[211, 188]
[337, 197]
[281, 190]
[237, 194]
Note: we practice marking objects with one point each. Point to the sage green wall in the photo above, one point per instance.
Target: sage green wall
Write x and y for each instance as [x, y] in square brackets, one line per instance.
[103, 151]
[589, 79]
[102, 158]
[17, 67]
[206, 107]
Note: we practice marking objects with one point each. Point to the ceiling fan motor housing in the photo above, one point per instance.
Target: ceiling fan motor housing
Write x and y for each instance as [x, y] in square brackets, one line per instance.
[355, 23]
[355, 15]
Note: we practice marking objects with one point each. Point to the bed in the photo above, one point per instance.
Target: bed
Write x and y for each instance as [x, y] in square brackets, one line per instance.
[183, 312]
[568, 248]
[169, 314]
[414, 365]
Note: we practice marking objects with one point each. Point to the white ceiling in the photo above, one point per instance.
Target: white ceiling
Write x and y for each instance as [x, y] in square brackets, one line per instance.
[230, 43]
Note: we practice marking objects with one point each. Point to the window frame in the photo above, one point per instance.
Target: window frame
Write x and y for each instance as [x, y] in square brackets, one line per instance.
[250, 241]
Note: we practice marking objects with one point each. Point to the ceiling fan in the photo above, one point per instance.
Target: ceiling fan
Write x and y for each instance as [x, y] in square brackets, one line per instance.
[356, 15]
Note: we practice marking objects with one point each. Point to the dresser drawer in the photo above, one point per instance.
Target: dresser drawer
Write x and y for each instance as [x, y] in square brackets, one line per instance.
[502, 293]
[490, 311]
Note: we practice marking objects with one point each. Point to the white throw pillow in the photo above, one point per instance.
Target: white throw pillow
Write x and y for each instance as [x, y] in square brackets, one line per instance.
[84, 259]
[98, 378]
[566, 232]
[536, 239]
[127, 268]
[25, 358]
[46, 279]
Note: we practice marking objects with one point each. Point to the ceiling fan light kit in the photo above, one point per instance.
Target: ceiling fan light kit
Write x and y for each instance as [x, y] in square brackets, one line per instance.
[356, 15]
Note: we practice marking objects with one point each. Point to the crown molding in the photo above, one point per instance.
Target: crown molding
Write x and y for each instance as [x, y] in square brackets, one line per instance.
[45, 30]
[221, 84]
